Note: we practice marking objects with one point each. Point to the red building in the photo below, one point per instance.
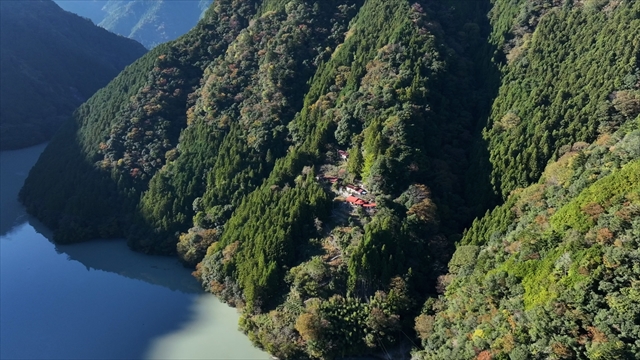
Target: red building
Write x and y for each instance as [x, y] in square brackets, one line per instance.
[360, 202]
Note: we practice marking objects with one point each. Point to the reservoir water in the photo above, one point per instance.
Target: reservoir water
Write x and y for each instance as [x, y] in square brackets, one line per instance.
[99, 300]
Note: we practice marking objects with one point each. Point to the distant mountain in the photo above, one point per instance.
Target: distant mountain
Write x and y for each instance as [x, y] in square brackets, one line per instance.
[51, 62]
[150, 22]
[91, 9]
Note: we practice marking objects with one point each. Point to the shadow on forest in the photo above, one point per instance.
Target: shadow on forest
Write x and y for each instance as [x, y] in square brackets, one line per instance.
[463, 105]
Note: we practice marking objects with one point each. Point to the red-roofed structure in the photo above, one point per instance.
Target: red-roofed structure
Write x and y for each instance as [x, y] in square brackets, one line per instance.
[357, 201]
[353, 199]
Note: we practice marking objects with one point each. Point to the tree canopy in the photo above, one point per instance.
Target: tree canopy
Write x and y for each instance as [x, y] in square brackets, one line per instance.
[321, 165]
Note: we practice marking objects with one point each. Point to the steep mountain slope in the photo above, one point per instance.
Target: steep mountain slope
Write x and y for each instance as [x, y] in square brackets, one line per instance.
[552, 273]
[223, 134]
[559, 81]
[317, 161]
[90, 9]
[150, 22]
[51, 61]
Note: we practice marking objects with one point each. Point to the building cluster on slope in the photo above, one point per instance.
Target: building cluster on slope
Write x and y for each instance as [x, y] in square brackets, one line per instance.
[351, 192]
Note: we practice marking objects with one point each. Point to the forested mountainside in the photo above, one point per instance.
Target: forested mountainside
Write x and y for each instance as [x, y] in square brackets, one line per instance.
[318, 163]
[51, 61]
[151, 22]
[552, 273]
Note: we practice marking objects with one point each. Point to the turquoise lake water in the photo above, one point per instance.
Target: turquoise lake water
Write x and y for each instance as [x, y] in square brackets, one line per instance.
[99, 300]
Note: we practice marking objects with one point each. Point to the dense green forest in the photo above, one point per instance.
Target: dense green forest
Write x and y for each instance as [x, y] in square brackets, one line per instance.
[50, 62]
[151, 22]
[320, 166]
[553, 273]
